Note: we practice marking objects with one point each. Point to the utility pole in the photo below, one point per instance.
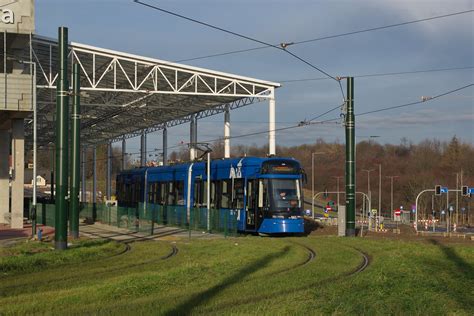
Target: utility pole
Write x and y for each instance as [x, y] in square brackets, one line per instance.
[337, 190]
[312, 179]
[391, 194]
[350, 159]
[369, 194]
[380, 189]
[462, 215]
[457, 197]
[62, 142]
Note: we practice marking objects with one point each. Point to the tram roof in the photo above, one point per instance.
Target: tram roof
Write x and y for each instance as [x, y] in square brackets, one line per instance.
[123, 94]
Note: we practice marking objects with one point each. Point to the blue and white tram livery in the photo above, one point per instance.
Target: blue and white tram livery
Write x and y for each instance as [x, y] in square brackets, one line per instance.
[266, 193]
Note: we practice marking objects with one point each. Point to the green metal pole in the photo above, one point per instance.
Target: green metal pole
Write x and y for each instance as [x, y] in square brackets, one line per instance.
[350, 159]
[53, 156]
[75, 152]
[62, 142]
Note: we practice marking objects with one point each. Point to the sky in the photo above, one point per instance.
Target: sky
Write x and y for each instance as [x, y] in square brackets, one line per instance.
[442, 43]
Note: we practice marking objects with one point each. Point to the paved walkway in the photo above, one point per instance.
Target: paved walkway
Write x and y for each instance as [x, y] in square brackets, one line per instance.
[99, 230]
[9, 235]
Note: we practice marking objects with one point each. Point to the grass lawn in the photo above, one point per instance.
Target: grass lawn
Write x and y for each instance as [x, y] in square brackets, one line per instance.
[246, 275]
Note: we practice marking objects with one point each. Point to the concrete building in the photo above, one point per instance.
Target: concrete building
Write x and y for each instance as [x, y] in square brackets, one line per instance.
[16, 102]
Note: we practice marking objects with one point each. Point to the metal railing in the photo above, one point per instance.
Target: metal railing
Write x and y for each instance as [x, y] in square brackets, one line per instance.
[146, 217]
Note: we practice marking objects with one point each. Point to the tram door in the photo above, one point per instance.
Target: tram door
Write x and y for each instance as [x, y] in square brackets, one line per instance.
[251, 205]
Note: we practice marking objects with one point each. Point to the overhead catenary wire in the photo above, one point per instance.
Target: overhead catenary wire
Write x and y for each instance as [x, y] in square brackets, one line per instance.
[384, 74]
[282, 46]
[333, 36]
[424, 100]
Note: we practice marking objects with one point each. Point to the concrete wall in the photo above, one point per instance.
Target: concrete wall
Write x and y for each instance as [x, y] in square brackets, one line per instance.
[17, 91]
[22, 17]
[18, 146]
[4, 176]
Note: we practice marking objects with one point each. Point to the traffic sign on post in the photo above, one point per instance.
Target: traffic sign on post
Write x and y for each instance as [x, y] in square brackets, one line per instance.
[444, 190]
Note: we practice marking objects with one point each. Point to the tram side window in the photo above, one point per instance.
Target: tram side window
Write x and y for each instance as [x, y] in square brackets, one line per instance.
[162, 193]
[126, 194]
[132, 193]
[225, 193]
[251, 189]
[171, 196]
[213, 194]
[153, 192]
[151, 197]
[199, 196]
[238, 193]
[179, 186]
[137, 192]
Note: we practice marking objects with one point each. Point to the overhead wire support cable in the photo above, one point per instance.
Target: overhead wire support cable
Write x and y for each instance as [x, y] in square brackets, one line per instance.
[382, 74]
[423, 100]
[332, 36]
[281, 47]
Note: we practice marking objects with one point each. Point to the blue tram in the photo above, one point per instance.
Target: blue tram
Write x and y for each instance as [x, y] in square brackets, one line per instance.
[266, 193]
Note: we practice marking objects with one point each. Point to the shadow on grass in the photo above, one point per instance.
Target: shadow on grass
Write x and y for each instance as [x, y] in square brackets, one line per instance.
[464, 269]
[186, 307]
[129, 237]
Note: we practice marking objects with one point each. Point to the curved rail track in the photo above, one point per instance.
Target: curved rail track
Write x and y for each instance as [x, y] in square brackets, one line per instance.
[312, 255]
[128, 248]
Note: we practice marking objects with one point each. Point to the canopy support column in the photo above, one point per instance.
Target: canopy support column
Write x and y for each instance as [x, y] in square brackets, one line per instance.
[94, 184]
[192, 144]
[143, 149]
[83, 184]
[4, 175]
[109, 172]
[165, 146]
[271, 125]
[124, 152]
[18, 151]
[227, 132]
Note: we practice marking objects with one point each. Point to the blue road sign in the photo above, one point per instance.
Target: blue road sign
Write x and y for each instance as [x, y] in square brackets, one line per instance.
[471, 191]
[444, 190]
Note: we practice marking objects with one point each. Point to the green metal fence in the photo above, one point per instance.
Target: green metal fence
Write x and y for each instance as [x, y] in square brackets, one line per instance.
[146, 217]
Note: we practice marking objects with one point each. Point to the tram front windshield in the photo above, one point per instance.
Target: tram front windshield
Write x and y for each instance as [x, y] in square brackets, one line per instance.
[285, 197]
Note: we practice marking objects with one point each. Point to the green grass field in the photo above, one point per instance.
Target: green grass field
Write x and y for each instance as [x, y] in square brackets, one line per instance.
[246, 275]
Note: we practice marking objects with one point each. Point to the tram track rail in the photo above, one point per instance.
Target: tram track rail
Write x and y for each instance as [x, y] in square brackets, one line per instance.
[127, 249]
[311, 256]
[361, 267]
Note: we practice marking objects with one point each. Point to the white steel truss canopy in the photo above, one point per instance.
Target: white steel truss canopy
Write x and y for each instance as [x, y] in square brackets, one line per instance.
[123, 94]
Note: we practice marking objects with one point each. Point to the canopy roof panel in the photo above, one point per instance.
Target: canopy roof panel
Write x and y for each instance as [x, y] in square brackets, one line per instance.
[123, 94]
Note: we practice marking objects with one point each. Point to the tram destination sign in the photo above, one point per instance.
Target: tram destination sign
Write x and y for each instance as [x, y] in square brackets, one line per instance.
[280, 167]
